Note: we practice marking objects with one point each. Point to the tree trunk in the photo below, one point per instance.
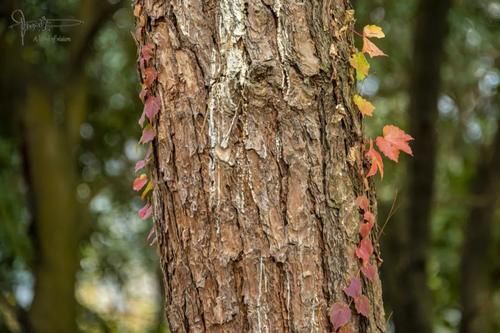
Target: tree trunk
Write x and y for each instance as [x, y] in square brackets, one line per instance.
[413, 311]
[257, 164]
[56, 235]
[477, 256]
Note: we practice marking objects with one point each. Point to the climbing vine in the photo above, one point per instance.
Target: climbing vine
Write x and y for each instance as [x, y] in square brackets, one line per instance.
[392, 141]
[152, 105]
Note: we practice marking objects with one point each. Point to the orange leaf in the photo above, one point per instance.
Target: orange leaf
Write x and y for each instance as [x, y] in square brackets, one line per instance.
[394, 141]
[150, 75]
[373, 31]
[376, 162]
[371, 49]
[363, 105]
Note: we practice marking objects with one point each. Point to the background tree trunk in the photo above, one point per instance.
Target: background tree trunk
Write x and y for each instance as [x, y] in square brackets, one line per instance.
[413, 309]
[50, 148]
[257, 164]
[56, 232]
[477, 256]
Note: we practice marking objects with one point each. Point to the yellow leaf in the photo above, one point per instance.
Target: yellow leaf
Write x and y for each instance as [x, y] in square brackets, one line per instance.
[371, 49]
[359, 62]
[373, 31]
[148, 188]
[363, 105]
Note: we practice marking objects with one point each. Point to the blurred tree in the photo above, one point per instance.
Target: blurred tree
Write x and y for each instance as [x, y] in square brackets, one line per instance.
[254, 215]
[466, 122]
[51, 101]
[413, 309]
[477, 254]
[51, 141]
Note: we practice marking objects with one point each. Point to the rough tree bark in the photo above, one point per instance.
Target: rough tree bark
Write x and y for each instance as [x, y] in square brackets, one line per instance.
[257, 163]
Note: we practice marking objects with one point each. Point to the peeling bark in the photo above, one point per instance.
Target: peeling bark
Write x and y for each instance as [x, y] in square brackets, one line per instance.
[257, 164]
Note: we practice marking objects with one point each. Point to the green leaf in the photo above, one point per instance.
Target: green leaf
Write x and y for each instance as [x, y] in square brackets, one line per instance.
[148, 188]
[359, 62]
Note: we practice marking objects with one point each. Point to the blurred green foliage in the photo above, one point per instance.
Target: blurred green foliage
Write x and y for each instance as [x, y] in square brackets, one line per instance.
[118, 281]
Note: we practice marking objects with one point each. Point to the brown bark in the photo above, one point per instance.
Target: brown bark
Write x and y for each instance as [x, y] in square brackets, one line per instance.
[413, 309]
[258, 157]
[477, 256]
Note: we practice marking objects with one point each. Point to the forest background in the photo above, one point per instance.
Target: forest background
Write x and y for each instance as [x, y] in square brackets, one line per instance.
[69, 111]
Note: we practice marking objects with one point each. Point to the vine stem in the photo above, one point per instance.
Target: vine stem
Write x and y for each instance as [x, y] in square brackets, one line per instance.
[392, 211]
[357, 33]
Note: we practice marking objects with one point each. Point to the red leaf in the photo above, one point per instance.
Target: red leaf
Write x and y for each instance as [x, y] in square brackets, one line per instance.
[139, 182]
[369, 271]
[145, 212]
[142, 119]
[362, 304]
[369, 217]
[365, 250]
[147, 135]
[376, 162]
[149, 152]
[151, 107]
[149, 76]
[394, 141]
[139, 165]
[340, 315]
[354, 288]
[364, 229]
[142, 94]
[362, 202]
[147, 51]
